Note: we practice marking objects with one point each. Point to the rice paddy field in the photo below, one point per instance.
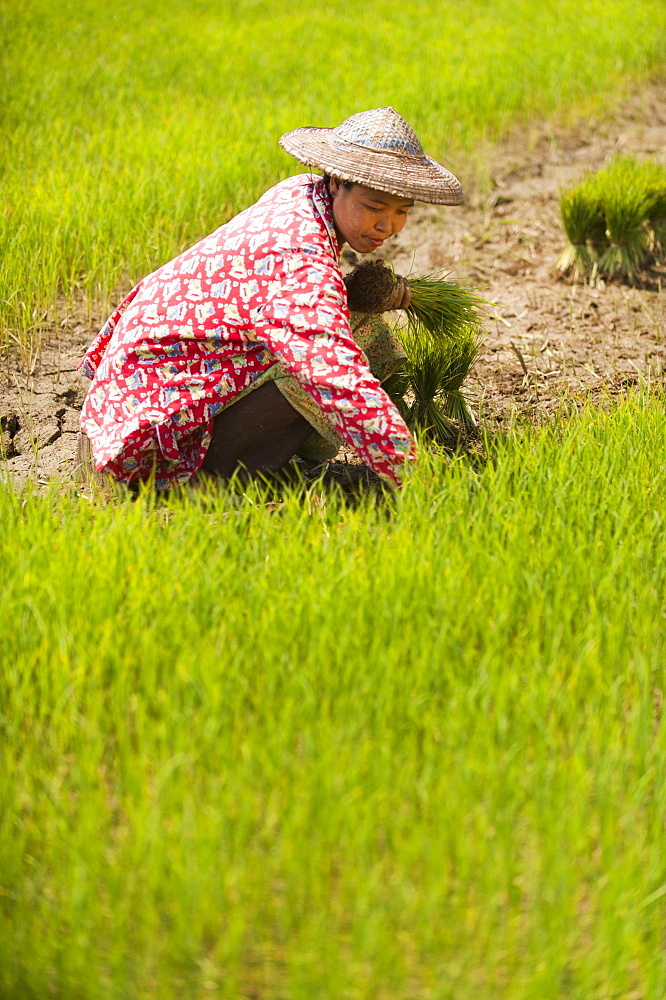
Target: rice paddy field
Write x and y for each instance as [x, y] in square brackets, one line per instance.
[288, 746]
[129, 131]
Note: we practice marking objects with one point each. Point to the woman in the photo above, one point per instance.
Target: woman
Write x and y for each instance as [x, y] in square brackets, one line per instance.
[239, 353]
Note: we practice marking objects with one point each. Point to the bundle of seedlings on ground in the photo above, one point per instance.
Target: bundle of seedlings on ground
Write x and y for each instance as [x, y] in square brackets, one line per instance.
[655, 180]
[429, 389]
[615, 219]
[626, 201]
[585, 225]
[657, 219]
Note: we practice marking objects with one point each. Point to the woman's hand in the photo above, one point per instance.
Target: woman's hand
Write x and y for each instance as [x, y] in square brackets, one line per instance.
[402, 294]
[373, 288]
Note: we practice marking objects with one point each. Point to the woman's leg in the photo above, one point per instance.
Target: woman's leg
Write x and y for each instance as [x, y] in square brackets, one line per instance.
[259, 433]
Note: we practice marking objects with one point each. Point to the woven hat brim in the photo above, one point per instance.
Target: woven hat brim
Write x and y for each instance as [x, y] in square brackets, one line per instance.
[399, 174]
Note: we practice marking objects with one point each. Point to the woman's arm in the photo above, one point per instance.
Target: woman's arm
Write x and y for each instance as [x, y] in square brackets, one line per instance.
[305, 324]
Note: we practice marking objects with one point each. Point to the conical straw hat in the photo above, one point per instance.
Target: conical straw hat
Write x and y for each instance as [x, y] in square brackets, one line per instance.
[378, 149]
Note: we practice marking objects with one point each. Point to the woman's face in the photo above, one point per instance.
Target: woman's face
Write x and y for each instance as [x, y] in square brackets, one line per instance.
[363, 217]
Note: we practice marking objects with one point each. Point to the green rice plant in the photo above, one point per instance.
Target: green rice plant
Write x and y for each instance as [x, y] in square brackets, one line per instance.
[657, 220]
[110, 166]
[626, 200]
[655, 182]
[397, 386]
[441, 340]
[442, 307]
[434, 375]
[315, 750]
[658, 228]
[585, 225]
[615, 219]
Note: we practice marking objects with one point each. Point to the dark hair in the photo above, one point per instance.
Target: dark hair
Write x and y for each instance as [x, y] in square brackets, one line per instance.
[346, 184]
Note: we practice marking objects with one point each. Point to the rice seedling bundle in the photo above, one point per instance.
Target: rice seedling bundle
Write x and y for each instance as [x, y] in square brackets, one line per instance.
[657, 219]
[439, 305]
[625, 198]
[615, 220]
[655, 181]
[441, 340]
[443, 307]
[585, 225]
[436, 371]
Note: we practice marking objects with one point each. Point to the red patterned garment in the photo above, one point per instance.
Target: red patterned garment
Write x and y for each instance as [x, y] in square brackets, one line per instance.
[189, 338]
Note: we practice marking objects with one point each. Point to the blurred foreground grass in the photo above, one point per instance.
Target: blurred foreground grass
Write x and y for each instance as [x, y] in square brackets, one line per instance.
[313, 751]
[129, 130]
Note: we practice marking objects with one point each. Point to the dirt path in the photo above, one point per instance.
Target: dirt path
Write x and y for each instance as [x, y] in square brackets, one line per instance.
[551, 339]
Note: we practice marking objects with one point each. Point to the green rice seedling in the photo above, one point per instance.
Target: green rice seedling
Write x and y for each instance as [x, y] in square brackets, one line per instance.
[442, 307]
[112, 166]
[657, 221]
[585, 225]
[397, 386]
[436, 370]
[655, 182]
[615, 219]
[441, 339]
[628, 243]
[311, 749]
[626, 197]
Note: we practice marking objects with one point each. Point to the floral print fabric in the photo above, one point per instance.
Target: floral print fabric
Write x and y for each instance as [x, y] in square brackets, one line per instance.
[384, 354]
[264, 289]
